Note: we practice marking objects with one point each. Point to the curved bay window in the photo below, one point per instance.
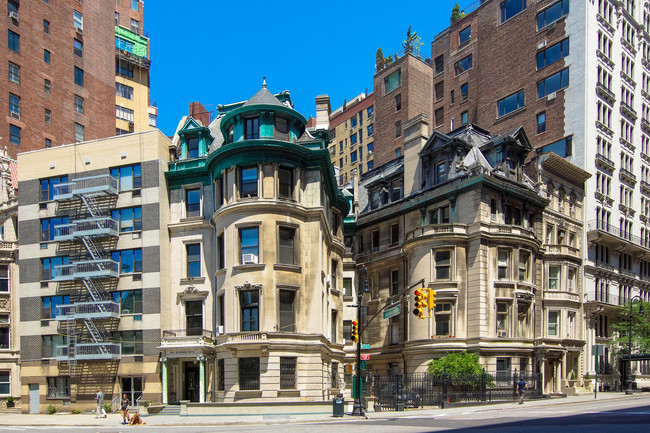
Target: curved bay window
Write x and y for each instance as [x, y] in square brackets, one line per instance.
[252, 128]
[281, 129]
[248, 182]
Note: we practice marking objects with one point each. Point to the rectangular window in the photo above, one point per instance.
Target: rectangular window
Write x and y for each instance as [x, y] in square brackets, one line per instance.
[46, 56]
[353, 122]
[4, 335]
[553, 277]
[287, 373]
[249, 245]
[334, 274]
[124, 113]
[14, 106]
[131, 342]
[347, 286]
[286, 252]
[152, 120]
[49, 343]
[46, 26]
[563, 147]
[47, 187]
[398, 129]
[510, 103]
[193, 317]
[130, 261]
[221, 251]
[14, 73]
[464, 35]
[502, 316]
[49, 227]
[398, 102]
[130, 301]
[134, 5]
[541, 122]
[78, 48]
[192, 202]
[553, 323]
[251, 128]
[124, 68]
[439, 63]
[439, 117]
[443, 265]
[79, 76]
[193, 260]
[124, 91]
[14, 41]
[371, 130]
[510, 8]
[248, 182]
[464, 92]
[502, 265]
[393, 81]
[78, 20]
[129, 177]
[394, 282]
[443, 318]
[4, 278]
[79, 132]
[48, 115]
[78, 104]
[58, 387]
[552, 54]
[394, 234]
[463, 65]
[47, 86]
[552, 14]
[249, 374]
[135, 26]
[555, 82]
[464, 117]
[49, 267]
[287, 313]
[353, 139]
[249, 305]
[50, 304]
[524, 257]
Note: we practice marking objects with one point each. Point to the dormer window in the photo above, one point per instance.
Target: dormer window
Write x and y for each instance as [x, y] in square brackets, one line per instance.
[230, 135]
[281, 129]
[192, 147]
[252, 128]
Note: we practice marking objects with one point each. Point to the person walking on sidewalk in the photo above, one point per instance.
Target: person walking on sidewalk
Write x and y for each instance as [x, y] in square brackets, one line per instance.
[100, 412]
[124, 406]
[521, 387]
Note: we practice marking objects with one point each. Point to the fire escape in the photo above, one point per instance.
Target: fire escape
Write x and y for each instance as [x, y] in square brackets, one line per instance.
[90, 273]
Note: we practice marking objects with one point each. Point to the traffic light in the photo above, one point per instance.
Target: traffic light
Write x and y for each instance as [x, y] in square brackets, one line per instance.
[355, 331]
[419, 302]
[432, 300]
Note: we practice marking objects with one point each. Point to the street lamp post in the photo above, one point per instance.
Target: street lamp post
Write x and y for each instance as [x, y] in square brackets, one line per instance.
[629, 343]
[357, 409]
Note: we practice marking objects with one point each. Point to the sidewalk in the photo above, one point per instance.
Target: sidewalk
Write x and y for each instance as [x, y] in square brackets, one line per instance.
[179, 420]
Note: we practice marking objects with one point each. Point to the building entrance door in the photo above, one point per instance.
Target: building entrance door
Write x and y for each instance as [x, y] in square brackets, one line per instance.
[34, 398]
[191, 382]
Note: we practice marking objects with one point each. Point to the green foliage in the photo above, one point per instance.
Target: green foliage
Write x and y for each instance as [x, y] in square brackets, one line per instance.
[456, 13]
[10, 399]
[50, 410]
[76, 411]
[640, 329]
[108, 407]
[412, 43]
[587, 377]
[456, 363]
[379, 60]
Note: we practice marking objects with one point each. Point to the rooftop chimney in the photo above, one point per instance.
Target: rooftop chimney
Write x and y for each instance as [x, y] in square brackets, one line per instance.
[323, 110]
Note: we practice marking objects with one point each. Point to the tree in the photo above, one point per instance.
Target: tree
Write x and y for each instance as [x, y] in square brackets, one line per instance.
[456, 13]
[640, 329]
[412, 43]
[456, 363]
[379, 60]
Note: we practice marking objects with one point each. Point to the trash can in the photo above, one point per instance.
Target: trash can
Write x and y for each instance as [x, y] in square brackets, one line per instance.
[338, 405]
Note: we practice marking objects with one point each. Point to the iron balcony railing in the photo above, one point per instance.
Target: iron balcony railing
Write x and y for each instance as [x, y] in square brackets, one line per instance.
[89, 351]
[605, 297]
[86, 185]
[90, 268]
[192, 332]
[615, 231]
[88, 227]
[88, 310]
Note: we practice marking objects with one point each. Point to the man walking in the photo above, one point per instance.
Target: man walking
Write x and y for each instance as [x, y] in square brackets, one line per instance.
[99, 412]
[521, 387]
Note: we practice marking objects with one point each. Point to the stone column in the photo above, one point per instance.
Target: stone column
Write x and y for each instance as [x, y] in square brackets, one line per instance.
[163, 360]
[201, 360]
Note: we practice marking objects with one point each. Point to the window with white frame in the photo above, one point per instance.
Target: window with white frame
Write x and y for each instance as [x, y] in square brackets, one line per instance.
[554, 277]
[78, 20]
[553, 323]
[192, 202]
[442, 264]
[502, 264]
[193, 260]
[124, 113]
[442, 317]
[4, 331]
[502, 316]
[524, 265]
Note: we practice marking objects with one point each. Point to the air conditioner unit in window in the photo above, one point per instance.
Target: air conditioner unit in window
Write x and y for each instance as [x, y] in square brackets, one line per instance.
[220, 330]
[551, 96]
[15, 115]
[79, 31]
[541, 44]
[502, 334]
[249, 259]
[13, 15]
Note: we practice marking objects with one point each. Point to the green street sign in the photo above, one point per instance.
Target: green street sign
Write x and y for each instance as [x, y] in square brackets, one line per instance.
[365, 346]
[392, 311]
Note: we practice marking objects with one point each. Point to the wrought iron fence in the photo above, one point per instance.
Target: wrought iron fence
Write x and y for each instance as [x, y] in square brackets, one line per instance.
[421, 389]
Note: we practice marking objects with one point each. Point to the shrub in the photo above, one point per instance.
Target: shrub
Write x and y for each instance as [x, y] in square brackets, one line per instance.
[51, 410]
[10, 399]
[76, 411]
[108, 407]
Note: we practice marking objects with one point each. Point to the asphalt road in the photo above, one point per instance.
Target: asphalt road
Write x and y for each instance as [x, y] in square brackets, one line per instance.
[611, 416]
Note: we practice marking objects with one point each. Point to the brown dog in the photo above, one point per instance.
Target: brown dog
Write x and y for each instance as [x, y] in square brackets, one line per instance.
[135, 420]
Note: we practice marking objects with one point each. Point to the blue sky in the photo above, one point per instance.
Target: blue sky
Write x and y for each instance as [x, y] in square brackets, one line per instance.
[217, 52]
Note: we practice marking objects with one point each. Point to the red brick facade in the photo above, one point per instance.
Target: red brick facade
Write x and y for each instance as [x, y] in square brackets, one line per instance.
[98, 89]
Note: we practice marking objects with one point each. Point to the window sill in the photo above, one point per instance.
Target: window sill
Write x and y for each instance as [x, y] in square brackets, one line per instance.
[251, 267]
[509, 115]
[192, 219]
[552, 25]
[190, 280]
[287, 267]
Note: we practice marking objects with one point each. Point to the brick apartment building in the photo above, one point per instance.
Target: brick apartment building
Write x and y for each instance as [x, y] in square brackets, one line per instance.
[58, 88]
[576, 76]
[352, 137]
